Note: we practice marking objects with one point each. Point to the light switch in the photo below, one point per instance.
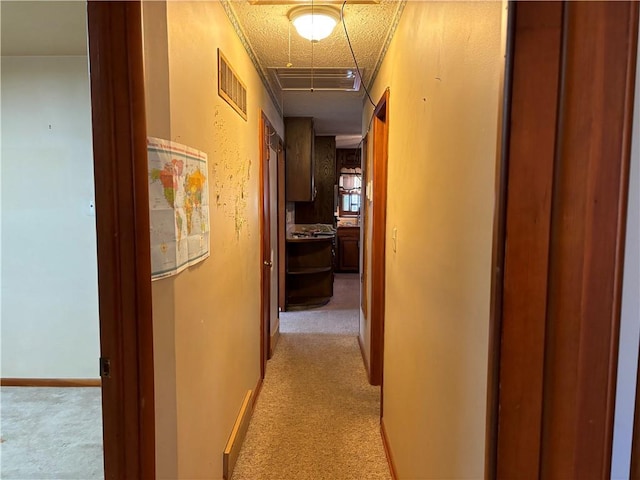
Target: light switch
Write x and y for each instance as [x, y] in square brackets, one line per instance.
[394, 239]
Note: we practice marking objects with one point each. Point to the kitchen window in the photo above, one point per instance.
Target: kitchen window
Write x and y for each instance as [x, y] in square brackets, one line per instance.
[350, 188]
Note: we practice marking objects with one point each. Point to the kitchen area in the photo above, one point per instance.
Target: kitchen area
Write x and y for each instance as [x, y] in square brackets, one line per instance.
[323, 187]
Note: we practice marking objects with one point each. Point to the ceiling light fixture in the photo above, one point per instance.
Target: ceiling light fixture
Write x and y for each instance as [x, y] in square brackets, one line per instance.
[314, 23]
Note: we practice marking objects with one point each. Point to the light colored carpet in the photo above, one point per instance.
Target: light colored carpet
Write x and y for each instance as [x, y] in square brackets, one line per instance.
[317, 417]
[50, 433]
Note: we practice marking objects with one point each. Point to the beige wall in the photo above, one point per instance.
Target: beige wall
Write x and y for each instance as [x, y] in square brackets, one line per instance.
[207, 318]
[444, 71]
[50, 326]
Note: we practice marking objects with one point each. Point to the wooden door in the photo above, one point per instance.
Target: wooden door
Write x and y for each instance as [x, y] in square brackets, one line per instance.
[379, 219]
[265, 234]
[282, 230]
[122, 221]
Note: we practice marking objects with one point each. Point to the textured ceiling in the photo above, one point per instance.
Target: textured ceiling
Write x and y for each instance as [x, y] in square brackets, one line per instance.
[274, 42]
[59, 28]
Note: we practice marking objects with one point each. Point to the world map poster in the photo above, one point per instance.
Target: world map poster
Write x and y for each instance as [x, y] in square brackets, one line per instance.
[178, 207]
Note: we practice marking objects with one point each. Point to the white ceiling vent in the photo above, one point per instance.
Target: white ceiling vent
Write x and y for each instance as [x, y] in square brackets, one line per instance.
[327, 79]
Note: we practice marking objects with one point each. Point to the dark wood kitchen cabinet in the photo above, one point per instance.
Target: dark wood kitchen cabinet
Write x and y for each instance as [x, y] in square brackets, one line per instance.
[299, 160]
[348, 249]
[347, 158]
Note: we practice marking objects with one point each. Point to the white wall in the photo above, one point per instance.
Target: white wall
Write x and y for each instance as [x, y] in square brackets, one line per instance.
[630, 318]
[49, 307]
[444, 69]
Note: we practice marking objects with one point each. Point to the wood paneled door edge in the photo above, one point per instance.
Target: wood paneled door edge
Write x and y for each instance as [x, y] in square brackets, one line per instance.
[585, 271]
[267, 137]
[379, 219]
[553, 415]
[122, 223]
[498, 253]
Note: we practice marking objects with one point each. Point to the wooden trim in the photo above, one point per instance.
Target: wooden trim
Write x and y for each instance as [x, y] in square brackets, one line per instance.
[587, 237]
[387, 451]
[282, 230]
[238, 434]
[378, 259]
[50, 382]
[265, 242]
[256, 393]
[532, 118]
[498, 253]
[569, 146]
[122, 222]
[364, 251]
[239, 431]
[266, 132]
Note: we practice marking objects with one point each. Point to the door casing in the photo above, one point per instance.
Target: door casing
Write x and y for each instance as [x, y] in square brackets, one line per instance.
[557, 288]
[122, 222]
[379, 227]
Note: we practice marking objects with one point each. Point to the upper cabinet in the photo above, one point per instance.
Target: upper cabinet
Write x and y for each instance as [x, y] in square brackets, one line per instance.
[299, 160]
[347, 158]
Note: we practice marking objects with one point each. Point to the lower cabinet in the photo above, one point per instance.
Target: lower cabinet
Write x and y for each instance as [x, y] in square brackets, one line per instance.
[348, 254]
[309, 272]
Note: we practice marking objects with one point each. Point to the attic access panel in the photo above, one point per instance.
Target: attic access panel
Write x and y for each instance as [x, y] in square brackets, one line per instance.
[327, 79]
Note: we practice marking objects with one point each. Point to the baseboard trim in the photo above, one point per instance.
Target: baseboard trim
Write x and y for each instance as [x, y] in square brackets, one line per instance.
[364, 359]
[275, 336]
[50, 382]
[239, 431]
[256, 394]
[387, 450]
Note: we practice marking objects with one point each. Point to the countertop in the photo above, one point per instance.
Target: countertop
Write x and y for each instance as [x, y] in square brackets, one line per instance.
[310, 232]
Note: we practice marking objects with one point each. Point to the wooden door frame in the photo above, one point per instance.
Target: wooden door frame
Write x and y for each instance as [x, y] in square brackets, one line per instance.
[265, 243]
[364, 251]
[122, 223]
[378, 239]
[267, 134]
[557, 288]
[282, 228]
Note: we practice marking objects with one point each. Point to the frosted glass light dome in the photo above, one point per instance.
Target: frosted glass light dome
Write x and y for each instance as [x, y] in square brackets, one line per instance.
[314, 23]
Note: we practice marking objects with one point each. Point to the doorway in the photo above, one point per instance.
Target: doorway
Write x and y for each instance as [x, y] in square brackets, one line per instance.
[271, 166]
[51, 389]
[378, 211]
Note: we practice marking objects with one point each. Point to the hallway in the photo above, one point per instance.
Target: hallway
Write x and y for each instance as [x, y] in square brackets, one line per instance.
[316, 417]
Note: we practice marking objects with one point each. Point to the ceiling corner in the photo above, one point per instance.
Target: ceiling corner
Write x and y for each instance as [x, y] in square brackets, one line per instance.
[233, 18]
